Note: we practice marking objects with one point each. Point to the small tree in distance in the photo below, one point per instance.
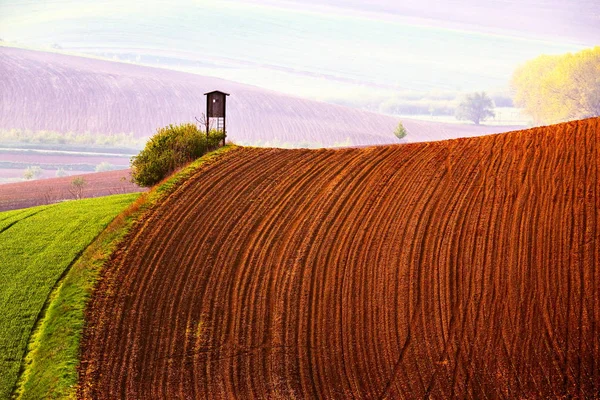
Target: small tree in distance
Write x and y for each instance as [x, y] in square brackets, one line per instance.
[60, 172]
[475, 107]
[32, 173]
[400, 131]
[104, 167]
[77, 186]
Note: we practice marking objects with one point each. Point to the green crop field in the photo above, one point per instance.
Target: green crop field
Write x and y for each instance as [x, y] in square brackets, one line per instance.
[37, 247]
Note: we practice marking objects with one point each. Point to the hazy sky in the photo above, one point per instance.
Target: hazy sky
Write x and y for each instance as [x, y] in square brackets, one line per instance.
[319, 49]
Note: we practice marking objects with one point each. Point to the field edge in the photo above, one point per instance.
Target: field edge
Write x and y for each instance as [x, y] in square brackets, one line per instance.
[63, 316]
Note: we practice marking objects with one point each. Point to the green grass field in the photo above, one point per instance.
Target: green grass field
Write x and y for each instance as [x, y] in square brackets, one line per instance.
[37, 248]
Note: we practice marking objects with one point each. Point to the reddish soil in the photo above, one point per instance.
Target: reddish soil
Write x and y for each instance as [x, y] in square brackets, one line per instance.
[47, 191]
[458, 269]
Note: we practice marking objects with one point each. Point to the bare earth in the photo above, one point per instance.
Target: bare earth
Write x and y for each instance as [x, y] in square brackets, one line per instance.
[48, 191]
[459, 269]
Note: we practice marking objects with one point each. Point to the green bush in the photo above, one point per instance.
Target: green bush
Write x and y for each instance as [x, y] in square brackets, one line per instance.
[169, 149]
[400, 131]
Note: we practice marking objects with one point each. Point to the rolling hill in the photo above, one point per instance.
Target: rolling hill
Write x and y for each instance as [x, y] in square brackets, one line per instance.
[61, 93]
[49, 91]
[464, 268]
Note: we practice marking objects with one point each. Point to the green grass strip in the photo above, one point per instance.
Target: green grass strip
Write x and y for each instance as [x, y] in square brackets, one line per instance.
[9, 218]
[37, 247]
[51, 364]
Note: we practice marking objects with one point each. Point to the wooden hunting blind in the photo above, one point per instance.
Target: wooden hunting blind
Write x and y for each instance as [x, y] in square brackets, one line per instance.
[216, 111]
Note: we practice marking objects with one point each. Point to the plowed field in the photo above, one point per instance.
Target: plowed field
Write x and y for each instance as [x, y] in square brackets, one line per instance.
[54, 190]
[465, 268]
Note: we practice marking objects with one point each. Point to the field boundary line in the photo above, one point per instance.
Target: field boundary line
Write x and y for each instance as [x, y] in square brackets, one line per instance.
[7, 227]
[40, 319]
[90, 262]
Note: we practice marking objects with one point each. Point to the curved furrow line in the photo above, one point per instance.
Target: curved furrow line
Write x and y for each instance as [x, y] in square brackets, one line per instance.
[234, 316]
[308, 267]
[124, 289]
[399, 214]
[239, 284]
[211, 208]
[365, 248]
[422, 190]
[311, 203]
[426, 309]
[545, 344]
[308, 199]
[358, 244]
[459, 208]
[441, 362]
[186, 252]
[402, 362]
[417, 192]
[475, 371]
[194, 355]
[334, 231]
[388, 251]
[456, 269]
[459, 278]
[129, 353]
[339, 236]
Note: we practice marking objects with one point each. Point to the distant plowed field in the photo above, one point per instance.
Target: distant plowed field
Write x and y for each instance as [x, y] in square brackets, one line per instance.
[464, 268]
[54, 190]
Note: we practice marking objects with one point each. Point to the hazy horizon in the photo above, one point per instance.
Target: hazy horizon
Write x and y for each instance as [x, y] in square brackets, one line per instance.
[333, 51]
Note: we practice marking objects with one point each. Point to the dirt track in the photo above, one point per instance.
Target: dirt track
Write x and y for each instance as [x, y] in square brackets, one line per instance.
[466, 268]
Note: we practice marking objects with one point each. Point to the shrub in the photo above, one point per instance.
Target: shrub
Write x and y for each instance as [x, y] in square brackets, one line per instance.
[400, 131]
[169, 149]
[32, 172]
[60, 172]
[104, 166]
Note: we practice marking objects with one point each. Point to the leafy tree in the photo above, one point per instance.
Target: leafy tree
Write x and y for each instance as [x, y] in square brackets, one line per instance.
[400, 131]
[32, 173]
[559, 88]
[77, 186]
[476, 107]
[170, 148]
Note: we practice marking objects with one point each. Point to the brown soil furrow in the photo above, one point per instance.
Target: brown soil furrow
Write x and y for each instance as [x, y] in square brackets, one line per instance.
[239, 287]
[334, 236]
[458, 269]
[184, 252]
[185, 258]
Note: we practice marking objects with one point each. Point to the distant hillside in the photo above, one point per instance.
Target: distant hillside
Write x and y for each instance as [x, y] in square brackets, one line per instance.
[48, 91]
[55, 92]
[48, 191]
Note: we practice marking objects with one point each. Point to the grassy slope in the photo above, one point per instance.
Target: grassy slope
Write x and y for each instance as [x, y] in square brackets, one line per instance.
[37, 246]
[51, 363]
